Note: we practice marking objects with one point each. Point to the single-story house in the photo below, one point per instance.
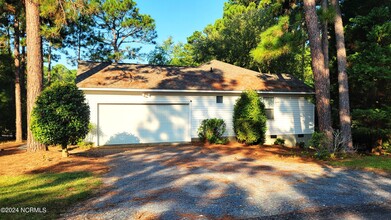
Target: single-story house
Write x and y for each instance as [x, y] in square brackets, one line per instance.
[138, 103]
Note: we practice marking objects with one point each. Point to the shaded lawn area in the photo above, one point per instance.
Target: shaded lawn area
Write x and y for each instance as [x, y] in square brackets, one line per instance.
[366, 162]
[47, 194]
[43, 185]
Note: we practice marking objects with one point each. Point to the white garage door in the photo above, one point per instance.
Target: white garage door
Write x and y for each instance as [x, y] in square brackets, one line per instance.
[142, 123]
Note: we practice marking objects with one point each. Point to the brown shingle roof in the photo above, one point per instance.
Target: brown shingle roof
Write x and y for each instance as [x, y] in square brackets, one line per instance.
[214, 75]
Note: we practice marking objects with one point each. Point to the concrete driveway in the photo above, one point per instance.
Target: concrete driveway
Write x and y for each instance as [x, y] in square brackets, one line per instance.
[233, 182]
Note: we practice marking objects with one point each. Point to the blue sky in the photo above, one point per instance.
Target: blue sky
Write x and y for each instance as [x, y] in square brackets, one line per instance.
[180, 18]
[177, 18]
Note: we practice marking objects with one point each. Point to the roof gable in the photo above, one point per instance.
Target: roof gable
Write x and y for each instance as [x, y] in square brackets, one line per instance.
[212, 76]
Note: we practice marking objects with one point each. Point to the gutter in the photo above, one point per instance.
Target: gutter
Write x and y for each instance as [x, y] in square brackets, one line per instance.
[191, 91]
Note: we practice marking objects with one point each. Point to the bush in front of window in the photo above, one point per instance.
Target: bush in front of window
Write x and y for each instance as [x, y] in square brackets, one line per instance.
[249, 119]
[279, 141]
[212, 131]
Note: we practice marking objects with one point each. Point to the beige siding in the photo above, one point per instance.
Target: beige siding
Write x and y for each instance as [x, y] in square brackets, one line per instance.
[292, 115]
[204, 107]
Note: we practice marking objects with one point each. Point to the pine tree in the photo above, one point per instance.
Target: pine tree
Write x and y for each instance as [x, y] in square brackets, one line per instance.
[344, 105]
[59, 14]
[34, 67]
[118, 25]
[18, 95]
[322, 90]
[12, 11]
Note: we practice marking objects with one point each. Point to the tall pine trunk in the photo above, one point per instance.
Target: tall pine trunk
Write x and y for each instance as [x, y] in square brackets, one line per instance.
[49, 76]
[343, 88]
[34, 67]
[18, 95]
[321, 78]
[325, 42]
[23, 84]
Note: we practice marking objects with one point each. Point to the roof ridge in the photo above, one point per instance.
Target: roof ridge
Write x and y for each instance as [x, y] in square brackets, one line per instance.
[137, 64]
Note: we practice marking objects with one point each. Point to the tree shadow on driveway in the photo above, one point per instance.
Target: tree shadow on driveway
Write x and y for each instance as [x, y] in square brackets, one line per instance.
[195, 182]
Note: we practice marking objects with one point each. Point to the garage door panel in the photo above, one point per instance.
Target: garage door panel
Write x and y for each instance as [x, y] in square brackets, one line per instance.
[141, 123]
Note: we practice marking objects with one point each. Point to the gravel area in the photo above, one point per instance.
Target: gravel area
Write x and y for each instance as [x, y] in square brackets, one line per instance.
[191, 182]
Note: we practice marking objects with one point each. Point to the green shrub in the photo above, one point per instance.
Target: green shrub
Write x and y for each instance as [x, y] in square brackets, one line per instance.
[301, 145]
[319, 142]
[212, 131]
[387, 147]
[279, 141]
[322, 154]
[85, 144]
[249, 119]
[60, 116]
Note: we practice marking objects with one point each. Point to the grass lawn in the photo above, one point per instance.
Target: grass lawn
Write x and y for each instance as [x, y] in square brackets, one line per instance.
[43, 196]
[371, 162]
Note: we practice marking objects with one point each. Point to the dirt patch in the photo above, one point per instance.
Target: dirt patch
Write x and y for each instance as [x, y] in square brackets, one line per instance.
[16, 161]
[153, 195]
[265, 152]
[145, 215]
[240, 157]
[188, 163]
[196, 216]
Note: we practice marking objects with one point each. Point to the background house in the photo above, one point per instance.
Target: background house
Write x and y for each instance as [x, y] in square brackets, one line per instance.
[136, 103]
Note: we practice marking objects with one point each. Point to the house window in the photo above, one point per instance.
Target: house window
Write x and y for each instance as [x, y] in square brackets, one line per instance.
[219, 99]
[273, 136]
[269, 107]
